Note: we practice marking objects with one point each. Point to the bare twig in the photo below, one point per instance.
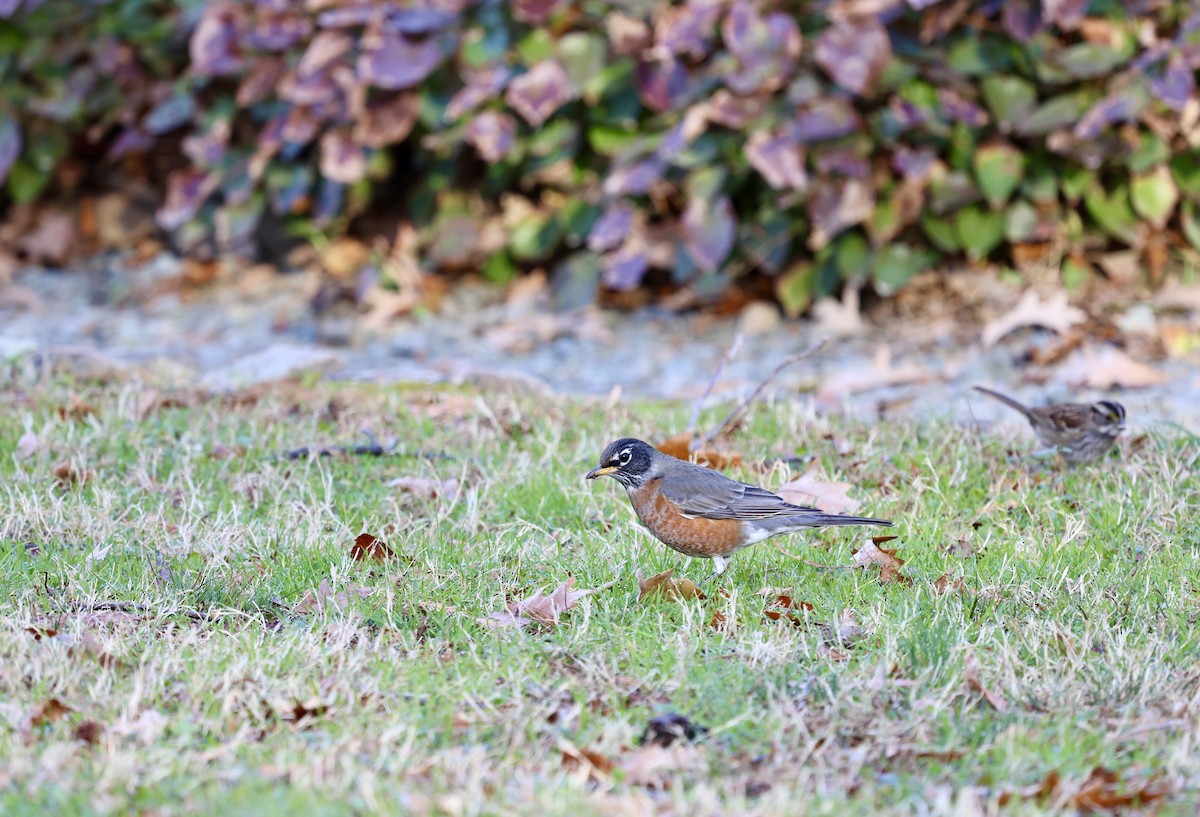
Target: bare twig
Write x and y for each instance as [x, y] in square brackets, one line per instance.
[726, 358]
[735, 415]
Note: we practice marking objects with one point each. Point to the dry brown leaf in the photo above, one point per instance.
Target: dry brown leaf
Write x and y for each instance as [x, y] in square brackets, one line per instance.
[1100, 792]
[78, 410]
[595, 766]
[889, 563]
[426, 488]
[971, 676]
[367, 548]
[1055, 313]
[68, 475]
[539, 607]
[880, 375]
[679, 447]
[663, 586]
[1108, 368]
[809, 489]
[51, 710]
[89, 732]
[944, 584]
[39, 633]
[784, 605]
[324, 596]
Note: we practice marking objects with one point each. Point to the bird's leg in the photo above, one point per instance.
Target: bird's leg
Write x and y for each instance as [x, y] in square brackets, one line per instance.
[719, 565]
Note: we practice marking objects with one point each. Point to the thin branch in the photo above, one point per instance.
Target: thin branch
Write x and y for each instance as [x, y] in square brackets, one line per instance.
[735, 415]
[726, 358]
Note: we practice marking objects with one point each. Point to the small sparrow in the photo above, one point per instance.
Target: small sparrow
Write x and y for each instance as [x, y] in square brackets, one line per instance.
[700, 512]
[1081, 432]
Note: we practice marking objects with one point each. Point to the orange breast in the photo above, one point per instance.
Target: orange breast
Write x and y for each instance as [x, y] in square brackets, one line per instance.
[702, 538]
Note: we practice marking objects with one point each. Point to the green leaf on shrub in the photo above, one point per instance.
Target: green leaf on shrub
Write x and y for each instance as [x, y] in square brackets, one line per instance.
[1059, 112]
[1020, 222]
[1185, 168]
[895, 265]
[1112, 211]
[609, 141]
[1075, 272]
[852, 255]
[1041, 180]
[536, 46]
[535, 237]
[1075, 182]
[26, 182]
[583, 56]
[950, 191]
[979, 230]
[794, 289]
[1083, 61]
[500, 268]
[999, 168]
[575, 280]
[1189, 218]
[974, 55]
[941, 232]
[1154, 195]
[884, 222]
[1010, 99]
[1149, 153]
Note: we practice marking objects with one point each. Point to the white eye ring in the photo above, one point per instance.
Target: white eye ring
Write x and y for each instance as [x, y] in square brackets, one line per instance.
[626, 456]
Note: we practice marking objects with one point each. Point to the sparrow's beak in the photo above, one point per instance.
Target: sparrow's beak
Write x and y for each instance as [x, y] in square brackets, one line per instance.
[600, 471]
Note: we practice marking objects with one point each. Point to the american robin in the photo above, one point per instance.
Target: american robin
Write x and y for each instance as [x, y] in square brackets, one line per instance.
[1081, 432]
[700, 512]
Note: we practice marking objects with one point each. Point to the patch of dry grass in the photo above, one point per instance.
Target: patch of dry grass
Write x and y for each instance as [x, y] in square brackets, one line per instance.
[186, 629]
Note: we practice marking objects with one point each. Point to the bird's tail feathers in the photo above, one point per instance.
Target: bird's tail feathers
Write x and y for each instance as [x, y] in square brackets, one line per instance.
[1006, 400]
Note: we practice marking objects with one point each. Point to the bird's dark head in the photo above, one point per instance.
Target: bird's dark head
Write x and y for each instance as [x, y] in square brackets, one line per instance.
[626, 460]
[1108, 417]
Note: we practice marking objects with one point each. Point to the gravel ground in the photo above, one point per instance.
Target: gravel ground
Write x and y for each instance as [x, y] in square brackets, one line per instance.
[262, 326]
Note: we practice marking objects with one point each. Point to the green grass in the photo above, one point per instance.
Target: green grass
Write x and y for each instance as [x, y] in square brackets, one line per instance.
[1079, 605]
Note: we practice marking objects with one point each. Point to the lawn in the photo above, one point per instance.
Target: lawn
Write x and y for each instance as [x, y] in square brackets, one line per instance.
[186, 630]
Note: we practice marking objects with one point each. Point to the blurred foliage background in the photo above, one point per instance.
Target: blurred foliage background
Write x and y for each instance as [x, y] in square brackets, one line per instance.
[784, 149]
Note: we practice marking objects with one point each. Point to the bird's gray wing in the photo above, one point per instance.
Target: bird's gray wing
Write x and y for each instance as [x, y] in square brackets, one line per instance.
[700, 492]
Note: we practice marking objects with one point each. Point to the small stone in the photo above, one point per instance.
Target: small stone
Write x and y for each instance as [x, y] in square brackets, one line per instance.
[759, 318]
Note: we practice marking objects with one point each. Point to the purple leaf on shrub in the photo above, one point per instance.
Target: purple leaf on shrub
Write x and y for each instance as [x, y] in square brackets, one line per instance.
[419, 20]
[829, 118]
[834, 205]
[1066, 14]
[907, 114]
[492, 134]
[539, 92]
[323, 49]
[186, 191]
[843, 161]
[278, 32]
[688, 29]
[207, 148]
[1174, 88]
[10, 145]
[289, 188]
[629, 36]
[387, 120]
[855, 53]
[678, 138]
[264, 75]
[661, 83]
[301, 125]
[766, 47]
[913, 164]
[534, 12]
[311, 89]
[7, 9]
[779, 158]
[957, 109]
[709, 229]
[624, 268]
[214, 46]
[481, 87]
[611, 228]
[1021, 20]
[394, 62]
[131, 140]
[734, 112]
[170, 113]
[331, 197]
[635, 179]
[919, 5]
[342, 160]
[348, 16]
[1122, 106]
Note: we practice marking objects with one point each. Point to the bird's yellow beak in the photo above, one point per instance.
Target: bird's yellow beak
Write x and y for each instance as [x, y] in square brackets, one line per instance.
[600, 472]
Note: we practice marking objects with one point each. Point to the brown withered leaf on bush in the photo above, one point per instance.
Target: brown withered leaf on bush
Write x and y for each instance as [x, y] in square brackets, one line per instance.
[51, 710]
[539, 607]
[679, 447]
[367, 548]
[1108, 368]
[809, 489]
[887, 560]
[1055, 313]
[663, 586]
[971, 676]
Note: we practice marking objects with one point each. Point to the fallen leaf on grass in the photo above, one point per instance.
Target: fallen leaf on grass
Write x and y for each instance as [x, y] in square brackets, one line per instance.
[1055, 313]
[426, 488]
[1100, 792]
[89, 732]
[679, 447]
[51, 710]
[889, 563]
[78, 410]
[538, 607]
[324, 596]
[944, 584]
[1108, 368]
[880, 374]
[574, 759]
[367, 548]
[665, 729]
[28, 445]
[67, 475]
[809, 489]
[312, 708]
[971, 676]
[39, 633]
[653, 766]
[784, 605]
[664, 586]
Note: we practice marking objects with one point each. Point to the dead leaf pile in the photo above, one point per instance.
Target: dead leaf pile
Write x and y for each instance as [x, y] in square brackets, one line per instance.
[367, 548]
[679, 447]
[1055, 313]
[587, 763]
[1101, 792]
[783, 606]
[539, 607]
[662, 586]
[887, 560]
[49, 711]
